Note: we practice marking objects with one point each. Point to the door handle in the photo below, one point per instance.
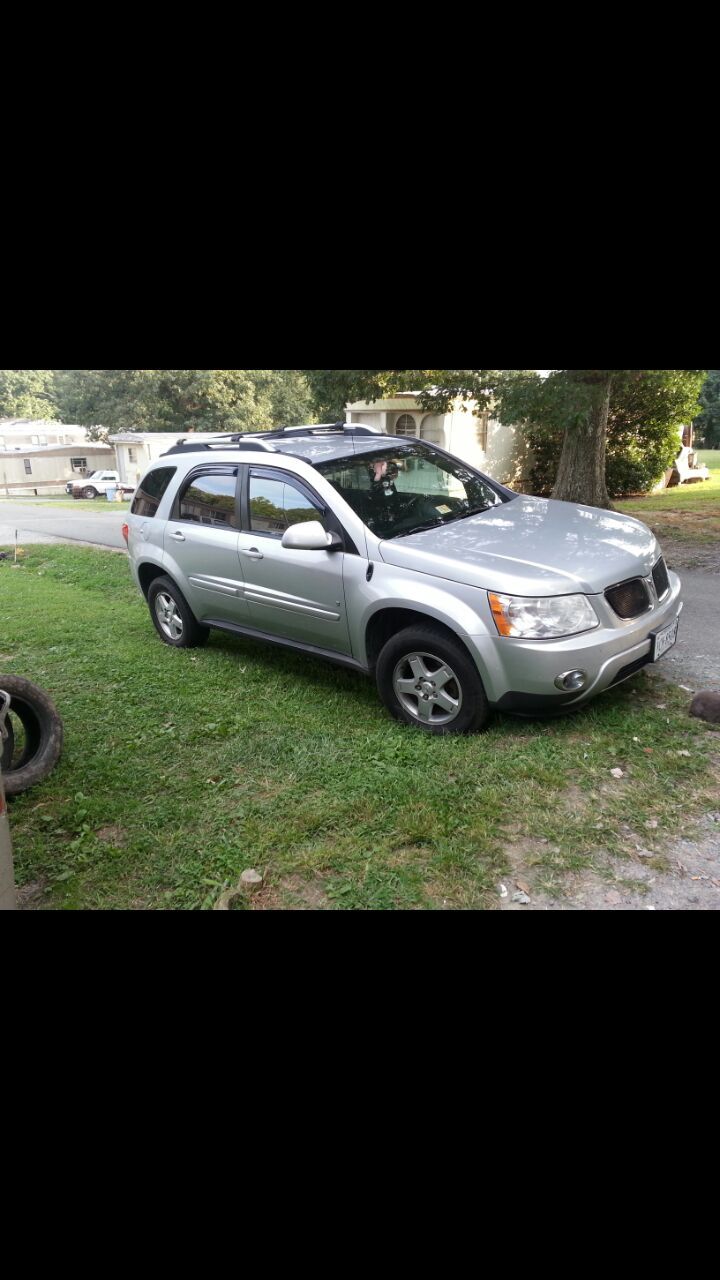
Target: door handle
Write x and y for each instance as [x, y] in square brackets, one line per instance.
[252, 554]
[178, 537]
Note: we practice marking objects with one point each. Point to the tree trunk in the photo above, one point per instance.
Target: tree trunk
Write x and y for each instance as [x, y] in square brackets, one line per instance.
[581, 474]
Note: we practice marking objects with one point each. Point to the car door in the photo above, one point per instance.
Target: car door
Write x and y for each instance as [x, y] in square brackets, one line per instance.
[296, 595]
[201, 540]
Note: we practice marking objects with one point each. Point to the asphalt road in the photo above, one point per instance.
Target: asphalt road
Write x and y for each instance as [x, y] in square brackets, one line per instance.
[695, 659]
[37, 523]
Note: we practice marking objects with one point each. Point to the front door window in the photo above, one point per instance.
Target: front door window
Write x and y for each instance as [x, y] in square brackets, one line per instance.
[275, 505]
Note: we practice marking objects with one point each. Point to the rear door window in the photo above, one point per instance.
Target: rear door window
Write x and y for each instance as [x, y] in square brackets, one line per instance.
[152, 491]
[210, 499]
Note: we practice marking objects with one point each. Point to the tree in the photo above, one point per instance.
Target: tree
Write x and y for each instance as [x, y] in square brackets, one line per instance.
[707, 424]
[616, 429]
[27, 393]
[183, 400]
[578, 401]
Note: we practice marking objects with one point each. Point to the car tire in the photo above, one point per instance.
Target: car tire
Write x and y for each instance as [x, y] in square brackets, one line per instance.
[43, 733]
[427, 679]
[173, 618]
[90, 492]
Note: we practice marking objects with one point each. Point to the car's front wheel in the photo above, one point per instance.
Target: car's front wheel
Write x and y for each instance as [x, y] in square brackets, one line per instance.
[90, 492]
[173, 618]
[427, 678]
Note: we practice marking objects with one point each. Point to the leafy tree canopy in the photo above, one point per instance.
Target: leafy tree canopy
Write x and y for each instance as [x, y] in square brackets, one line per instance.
[27, 393]
[183, 400]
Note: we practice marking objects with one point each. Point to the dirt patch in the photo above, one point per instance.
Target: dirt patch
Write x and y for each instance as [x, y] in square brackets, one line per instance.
[112, 835]
[681, 554]
[684, 878]
[33, 896]
[293, 893]
[576, 801]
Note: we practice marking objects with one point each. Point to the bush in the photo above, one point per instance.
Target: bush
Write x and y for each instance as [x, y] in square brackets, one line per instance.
[636, 458]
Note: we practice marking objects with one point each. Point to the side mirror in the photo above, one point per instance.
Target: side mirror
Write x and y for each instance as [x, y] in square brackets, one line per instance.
[310, 536]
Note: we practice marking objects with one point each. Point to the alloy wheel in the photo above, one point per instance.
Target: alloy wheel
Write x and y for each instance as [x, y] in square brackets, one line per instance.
[168, 615]
[428, 688]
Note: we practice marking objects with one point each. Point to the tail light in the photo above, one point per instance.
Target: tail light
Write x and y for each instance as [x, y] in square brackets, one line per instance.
[126, 533]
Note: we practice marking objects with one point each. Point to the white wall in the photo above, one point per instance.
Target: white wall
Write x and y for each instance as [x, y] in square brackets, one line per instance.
[145, 449]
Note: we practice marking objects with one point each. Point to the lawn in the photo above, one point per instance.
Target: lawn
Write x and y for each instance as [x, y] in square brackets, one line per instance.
[689, 512]
[81, 505]
[183, 769]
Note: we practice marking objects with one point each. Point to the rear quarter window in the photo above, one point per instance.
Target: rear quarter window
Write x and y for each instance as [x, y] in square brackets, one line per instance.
[152, 491]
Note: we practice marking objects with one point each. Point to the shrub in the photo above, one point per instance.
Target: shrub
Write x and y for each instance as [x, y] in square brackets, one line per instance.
[636, 457]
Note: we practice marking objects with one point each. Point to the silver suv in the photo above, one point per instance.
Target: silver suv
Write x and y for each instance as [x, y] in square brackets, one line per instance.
[396, 559]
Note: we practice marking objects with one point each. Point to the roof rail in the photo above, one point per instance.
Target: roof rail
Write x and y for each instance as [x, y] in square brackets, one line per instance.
[335, 428]
[262, 440]
[251, 444]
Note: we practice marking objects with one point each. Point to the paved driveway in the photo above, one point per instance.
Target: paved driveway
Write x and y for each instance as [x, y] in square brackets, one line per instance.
[36, 522]
[695, 660]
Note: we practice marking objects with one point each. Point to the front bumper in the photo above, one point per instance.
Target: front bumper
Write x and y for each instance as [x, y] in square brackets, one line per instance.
[519, 675]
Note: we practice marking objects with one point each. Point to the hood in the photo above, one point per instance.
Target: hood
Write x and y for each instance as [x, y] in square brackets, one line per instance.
[532, 546]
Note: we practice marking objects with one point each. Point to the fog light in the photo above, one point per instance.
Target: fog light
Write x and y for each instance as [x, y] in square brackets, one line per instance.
[572, 680]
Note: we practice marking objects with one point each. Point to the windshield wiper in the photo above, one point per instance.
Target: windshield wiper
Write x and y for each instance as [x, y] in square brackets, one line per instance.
[418, 528]
[476, 511]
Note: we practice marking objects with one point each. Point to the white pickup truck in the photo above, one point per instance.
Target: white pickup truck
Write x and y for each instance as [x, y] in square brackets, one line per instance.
[97, 484]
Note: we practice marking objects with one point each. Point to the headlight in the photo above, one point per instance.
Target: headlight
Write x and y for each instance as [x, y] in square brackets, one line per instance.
[547, 618]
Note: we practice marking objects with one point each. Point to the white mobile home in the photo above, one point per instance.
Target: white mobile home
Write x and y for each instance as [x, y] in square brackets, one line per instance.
[46, 469]
[25, 433]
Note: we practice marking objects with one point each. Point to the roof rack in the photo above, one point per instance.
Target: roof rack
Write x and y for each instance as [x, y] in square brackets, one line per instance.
[263, 439]
[213, 443]
[332, 429]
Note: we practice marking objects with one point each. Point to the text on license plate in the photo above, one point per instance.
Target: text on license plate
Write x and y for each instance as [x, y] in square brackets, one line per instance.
[664, 640]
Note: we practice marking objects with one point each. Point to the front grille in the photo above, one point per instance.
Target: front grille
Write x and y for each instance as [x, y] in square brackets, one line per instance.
[629, 599]
[660, 578]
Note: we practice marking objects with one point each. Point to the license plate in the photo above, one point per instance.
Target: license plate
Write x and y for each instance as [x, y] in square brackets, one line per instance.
[664, 640]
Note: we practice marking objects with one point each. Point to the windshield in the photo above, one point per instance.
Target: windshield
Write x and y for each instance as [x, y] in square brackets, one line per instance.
[408, 487]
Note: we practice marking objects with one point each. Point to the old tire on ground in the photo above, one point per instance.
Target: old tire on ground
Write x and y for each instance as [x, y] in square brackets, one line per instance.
[43, 734]
[173, 618]
[427, 678]
[7, 746]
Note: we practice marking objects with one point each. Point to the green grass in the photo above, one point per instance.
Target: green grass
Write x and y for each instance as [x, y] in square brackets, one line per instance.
[182, 769]
[82, 505]
[689, 512]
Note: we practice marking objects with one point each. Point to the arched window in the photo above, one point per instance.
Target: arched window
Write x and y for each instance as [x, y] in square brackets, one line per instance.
[405, 426]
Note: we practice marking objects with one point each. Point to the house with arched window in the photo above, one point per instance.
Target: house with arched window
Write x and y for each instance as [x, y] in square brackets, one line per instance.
[466, 431]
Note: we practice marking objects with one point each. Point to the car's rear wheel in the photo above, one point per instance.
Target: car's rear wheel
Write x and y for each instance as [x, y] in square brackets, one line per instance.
[428, 679]
[173, 618]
